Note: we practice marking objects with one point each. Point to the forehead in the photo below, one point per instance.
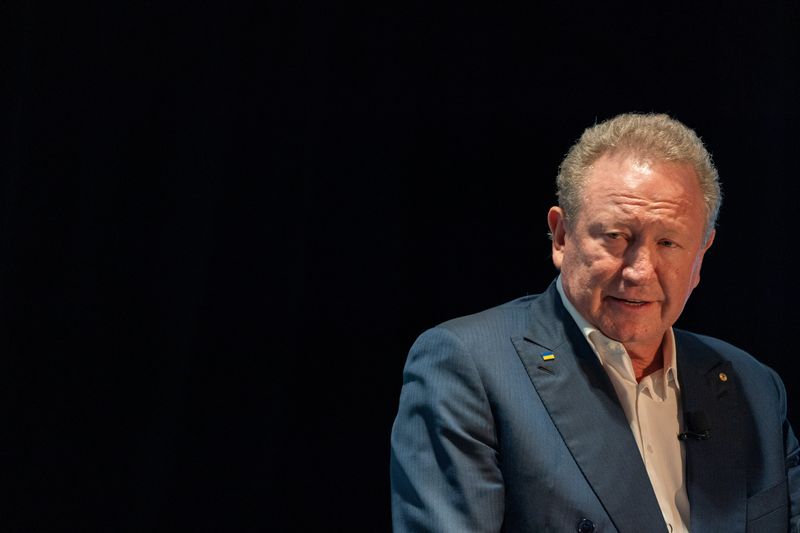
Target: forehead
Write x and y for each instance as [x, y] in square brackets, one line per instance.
[631, 174]
[627, 182]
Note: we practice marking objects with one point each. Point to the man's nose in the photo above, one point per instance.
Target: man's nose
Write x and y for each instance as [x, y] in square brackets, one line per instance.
[639, 264]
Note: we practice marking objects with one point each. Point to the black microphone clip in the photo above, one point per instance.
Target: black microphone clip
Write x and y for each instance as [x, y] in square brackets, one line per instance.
[699, 428]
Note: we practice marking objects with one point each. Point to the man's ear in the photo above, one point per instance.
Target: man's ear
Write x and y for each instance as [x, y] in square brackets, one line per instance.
[558, 232]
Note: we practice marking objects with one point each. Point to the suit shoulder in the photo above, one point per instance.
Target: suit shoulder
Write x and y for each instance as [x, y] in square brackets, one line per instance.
[508, 318]
[484, 328]
[727, 351]
[480, 342]
[717, 345]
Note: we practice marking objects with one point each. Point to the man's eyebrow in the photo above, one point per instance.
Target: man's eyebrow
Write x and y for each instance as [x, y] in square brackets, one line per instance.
[604, 225]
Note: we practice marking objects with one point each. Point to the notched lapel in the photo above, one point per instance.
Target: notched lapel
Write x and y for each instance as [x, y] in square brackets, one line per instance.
[715, 468]
[583, 406]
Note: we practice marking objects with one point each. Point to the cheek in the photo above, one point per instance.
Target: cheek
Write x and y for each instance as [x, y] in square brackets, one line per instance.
[583, 252]
[599, 266]
[682, 278]
[696, 272]
[588, 265]
[588, 279]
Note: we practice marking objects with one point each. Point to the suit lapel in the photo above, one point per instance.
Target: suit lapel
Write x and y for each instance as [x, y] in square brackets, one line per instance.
[715, 468]
[584, 408]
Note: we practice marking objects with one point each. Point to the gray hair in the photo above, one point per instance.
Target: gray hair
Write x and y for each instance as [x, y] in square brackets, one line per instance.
[648, 135]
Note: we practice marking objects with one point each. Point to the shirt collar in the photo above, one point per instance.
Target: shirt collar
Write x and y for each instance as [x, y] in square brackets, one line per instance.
[619, 356]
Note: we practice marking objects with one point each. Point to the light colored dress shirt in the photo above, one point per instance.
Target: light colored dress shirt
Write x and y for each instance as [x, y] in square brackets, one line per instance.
[652, 407]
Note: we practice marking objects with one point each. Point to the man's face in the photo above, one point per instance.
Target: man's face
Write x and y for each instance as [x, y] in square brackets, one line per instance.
[632, 255]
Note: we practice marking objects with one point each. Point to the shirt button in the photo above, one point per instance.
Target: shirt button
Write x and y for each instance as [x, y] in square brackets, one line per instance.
[585, 526]
[649, 448]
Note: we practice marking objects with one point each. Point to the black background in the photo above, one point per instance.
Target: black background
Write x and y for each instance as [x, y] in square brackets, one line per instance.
[223, 225]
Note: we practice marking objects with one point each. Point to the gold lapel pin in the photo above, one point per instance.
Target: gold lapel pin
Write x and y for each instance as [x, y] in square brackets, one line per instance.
[723, 376]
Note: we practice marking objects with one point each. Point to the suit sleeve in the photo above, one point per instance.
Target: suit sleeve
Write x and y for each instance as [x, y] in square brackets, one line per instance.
[792, 457]
[793, 477]
[445, 475]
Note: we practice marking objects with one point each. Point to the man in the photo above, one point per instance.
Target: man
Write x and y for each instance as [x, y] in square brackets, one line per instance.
[582, 409]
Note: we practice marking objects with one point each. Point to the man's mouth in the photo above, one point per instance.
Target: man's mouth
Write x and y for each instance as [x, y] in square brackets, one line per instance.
[630, 302]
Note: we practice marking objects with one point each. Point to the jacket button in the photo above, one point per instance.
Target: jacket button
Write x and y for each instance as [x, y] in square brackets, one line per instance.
[585, 526]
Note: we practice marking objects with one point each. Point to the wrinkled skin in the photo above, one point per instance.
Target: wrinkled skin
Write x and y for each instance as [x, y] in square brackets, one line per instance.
[632, 255]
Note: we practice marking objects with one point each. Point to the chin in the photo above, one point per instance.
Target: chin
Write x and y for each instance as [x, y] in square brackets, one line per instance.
[623, 336]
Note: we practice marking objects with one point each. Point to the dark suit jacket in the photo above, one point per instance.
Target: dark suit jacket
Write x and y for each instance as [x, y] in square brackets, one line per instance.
[490, 437]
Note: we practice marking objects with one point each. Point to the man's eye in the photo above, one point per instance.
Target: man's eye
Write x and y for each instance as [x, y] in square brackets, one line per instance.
[667, 243]
[614, 235]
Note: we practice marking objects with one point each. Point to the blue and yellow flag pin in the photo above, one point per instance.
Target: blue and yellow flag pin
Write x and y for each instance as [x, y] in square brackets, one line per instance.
[548, 356]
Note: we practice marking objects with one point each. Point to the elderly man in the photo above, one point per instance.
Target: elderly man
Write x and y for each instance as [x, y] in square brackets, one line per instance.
[582, 409]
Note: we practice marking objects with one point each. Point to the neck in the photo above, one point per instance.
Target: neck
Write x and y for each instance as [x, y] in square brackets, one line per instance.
[645, 362]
